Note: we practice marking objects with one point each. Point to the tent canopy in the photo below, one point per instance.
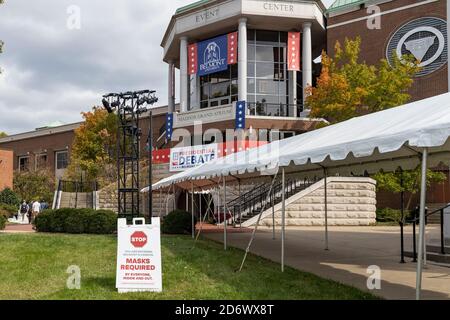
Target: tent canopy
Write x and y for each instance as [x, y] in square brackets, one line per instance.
[363, 144]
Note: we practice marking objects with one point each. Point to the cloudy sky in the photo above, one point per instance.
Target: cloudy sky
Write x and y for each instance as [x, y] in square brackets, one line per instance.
[51, 72]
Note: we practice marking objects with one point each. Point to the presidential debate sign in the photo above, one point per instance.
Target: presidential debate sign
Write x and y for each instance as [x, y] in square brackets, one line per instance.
[139, 256]
[213, 55]
[190, 157]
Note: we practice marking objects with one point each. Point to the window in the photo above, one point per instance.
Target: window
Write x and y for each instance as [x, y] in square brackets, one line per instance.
[220, 88]
[41, 161]
[62, 160]
[24, 163]
[268, 77]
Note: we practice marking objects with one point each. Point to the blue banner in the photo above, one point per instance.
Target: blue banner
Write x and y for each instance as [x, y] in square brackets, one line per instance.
[169, 126]
[240, 115]
[213, 55]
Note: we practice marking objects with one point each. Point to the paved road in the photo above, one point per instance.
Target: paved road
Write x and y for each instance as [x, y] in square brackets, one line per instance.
[352, 251]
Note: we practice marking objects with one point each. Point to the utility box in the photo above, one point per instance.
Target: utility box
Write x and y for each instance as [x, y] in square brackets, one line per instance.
[6, 169]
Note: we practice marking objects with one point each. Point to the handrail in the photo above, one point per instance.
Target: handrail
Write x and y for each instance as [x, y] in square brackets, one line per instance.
[258, 198]
[416, 220]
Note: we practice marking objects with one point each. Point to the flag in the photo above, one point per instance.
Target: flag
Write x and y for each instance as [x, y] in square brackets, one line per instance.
[169, 126]
[232, 48]
[193, 59]
[294, 51]
[240, 115]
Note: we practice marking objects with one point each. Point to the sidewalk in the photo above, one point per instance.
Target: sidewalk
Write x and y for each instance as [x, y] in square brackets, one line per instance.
[18, 228]
[352, 251]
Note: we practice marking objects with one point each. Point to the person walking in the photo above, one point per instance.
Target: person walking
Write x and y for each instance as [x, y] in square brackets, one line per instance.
[36, 209]
[30, 212]
[24, 209]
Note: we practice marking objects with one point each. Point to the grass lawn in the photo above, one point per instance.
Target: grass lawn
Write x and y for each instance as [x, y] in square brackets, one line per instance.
[33, 266]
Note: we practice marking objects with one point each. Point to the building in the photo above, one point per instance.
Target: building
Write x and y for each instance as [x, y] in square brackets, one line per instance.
[50, 147]
[397, 27]
[260, 56]
[6, 169]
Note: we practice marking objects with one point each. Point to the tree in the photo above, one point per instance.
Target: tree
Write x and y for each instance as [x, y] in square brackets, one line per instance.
[348, 88]
[3, 134]
[93, 150]
[406, 181]
[34, 185]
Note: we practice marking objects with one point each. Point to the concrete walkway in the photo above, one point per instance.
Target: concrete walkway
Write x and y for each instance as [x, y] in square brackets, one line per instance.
[18, 228]
[352, 251]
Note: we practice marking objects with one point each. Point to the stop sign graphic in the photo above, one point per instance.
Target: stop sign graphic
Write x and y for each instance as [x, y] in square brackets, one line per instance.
[138, 239]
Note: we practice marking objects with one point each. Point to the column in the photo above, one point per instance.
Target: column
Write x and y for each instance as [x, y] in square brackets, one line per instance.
[306, 57]
[242, 60]
[194, 92]
[184, 87]
[171, 91]
[292, 94]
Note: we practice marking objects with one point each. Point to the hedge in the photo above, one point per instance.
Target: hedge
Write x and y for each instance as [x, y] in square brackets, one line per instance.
[2, 222]
[177, 222]
[77, 221]
[9, 197]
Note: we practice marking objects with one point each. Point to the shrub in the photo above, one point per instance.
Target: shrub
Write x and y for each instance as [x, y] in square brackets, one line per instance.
[8, 210]
[102, 222]
[2, 222]
[77, 221]
[177, 222]
[9, 197]
[389, 215]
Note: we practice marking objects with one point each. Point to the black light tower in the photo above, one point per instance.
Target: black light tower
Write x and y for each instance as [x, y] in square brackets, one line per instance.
[129, 107]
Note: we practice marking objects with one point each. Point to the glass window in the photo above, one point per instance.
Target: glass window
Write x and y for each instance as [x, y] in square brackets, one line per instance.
[267, 75]
[62, 160]
[219, 88]
[24, 163]
[41, 161]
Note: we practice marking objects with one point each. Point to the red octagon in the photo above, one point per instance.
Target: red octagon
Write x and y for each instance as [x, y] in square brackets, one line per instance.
[138, 239]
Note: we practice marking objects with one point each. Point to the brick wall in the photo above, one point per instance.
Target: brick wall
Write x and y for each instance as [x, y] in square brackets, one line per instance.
[6, 169]
[374, 42]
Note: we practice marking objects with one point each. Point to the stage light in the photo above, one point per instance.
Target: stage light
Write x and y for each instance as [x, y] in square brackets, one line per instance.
[107, 106]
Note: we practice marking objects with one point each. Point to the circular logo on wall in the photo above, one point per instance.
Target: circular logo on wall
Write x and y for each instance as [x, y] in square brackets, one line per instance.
[425, 39]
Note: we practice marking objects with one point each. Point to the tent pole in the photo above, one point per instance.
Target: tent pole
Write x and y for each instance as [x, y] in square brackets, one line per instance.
[192, 211]
[187, 201]
[200, 206]
[423, 191]
[325, 171]
[224, 213]
[240, 215]
[283, 217]
[161, 202]
[247, 250]
[272, 196]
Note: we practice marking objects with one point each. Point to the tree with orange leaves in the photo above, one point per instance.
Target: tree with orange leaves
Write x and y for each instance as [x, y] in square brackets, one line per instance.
[93, 150]
[348, 88]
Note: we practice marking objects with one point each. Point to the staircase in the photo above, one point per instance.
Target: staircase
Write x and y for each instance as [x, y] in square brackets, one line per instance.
[250, 204]
[351, 202]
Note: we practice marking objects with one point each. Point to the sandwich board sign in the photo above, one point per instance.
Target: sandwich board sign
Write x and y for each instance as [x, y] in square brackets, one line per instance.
[139, 256]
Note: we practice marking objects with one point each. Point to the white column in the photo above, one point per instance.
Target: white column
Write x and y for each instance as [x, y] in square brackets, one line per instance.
[171, 91]
[293, 93]
[184, 87]
[306, 57]
[242, 60]
[194, 91]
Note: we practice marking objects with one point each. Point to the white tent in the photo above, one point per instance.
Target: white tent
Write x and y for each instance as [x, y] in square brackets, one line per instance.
[405, 137]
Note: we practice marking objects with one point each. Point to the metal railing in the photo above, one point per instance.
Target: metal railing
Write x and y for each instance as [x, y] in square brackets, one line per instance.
[274, 109]
[415, 221]
[251, 203]
[78, 187]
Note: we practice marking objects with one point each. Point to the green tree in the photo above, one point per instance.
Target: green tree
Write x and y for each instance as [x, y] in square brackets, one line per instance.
[93, 150]
[348, 88]
[34, 185]
[406, 181]
[3, 134]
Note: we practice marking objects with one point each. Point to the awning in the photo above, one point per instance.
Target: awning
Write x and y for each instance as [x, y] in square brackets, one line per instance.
[384, 140]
